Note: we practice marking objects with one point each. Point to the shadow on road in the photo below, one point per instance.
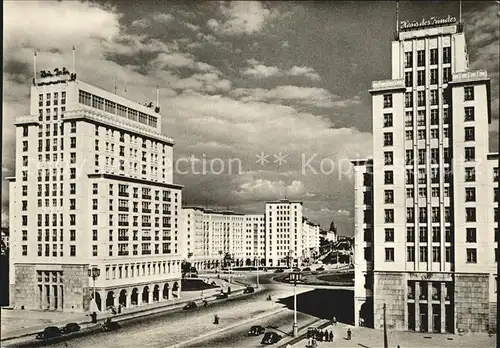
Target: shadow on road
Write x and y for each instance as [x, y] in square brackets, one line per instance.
[325, 304]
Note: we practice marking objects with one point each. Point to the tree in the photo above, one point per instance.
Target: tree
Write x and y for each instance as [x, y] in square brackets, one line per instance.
[228, 259]
[332, 227]
[186, 268]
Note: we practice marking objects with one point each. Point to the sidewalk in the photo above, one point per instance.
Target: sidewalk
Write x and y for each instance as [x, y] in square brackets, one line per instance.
[17, 323]
[371, 338]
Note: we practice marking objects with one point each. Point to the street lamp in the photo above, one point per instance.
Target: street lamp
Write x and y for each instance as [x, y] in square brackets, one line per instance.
[257, 259]
[295, 277]
[94, 272]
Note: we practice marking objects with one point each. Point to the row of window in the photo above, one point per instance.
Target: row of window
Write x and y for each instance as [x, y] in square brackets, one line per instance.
[433, 57]
[434, 77]
[142, 269]
[100, 103]
[471, 254]
[470, 215]
[470, 234]
[132, 139]
[54, 113]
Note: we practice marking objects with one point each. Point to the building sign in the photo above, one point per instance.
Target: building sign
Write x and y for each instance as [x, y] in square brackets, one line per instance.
[48, 77]
[433, 21]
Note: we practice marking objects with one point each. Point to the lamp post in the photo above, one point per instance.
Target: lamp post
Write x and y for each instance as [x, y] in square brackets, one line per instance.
[257, 264]
[94, 272]
[295, 276]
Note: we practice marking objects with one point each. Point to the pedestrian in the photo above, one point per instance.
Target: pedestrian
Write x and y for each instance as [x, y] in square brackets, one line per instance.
[331, 336]
[326, 336]
[348, 334]
[334, 321]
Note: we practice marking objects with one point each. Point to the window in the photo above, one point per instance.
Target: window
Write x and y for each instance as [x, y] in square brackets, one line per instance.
[389, 234]
[470, 194]
[422, 215]
[495, 195]
[470, 214]
[470, 154]
[421, 98]
[470, 235]
[410, 234]
[471, 255]
[421, 78]
[409, 193]
[388, 177]
[25, 145]
[388, 158]
[387, 120]
[410, 254]
[389, 196]
[446, 75]
[94, 250]
[433, 56]
[436, 234]
[422, 192]
[470, 174]
[448, 254]
[434, 156]
[73, 127]
[72, 250]
[94, 219]
[434, 97]
[422, 156]
[389, 215]
[408, 79]
[434, 133]
[410, 215]
[421, 118]
[408, 59]
[73, 142]
[94, 234]
[388, 139]
[446, 55]
[468, 93]
[423, 254]
[409, 157]
[434, 117]
[389, 254]
[408, 99]
[421, 58]
[469, 134]
[72, 204]
[469, 113]
[409, 135]
[436, 254]
[434, 77]
[495, 174]
[408, 119]
[387, 100]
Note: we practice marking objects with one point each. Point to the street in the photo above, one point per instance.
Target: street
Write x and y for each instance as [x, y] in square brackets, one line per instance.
[238, 337]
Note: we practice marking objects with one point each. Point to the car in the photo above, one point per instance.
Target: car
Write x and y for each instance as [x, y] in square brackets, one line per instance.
[221, 296]
[49, 332]
[320, 269]
[279, 270]
[256, 330]
[70, 327]
[307, 269]
[110, 325]
[190, 305]
[249, 290]
[296, 269]
[270, 337]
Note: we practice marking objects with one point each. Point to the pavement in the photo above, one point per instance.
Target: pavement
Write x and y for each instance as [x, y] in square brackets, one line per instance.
[370, 338]
[21, 323]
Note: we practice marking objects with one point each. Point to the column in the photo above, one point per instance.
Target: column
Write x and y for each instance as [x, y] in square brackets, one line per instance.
[148, 296]
[102, 297]
[170, 293]
[45, 293]
[60, 298]
[443, 306]
[128, 298]
[430, 313]
[417, 306]
[139, 297]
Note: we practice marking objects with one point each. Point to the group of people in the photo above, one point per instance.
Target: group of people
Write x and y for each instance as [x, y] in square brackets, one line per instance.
[320, 335]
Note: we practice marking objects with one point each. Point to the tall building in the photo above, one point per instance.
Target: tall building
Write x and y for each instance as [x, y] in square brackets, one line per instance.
[310, 239]
[426, 205]
[93, 189]
[255, 240]
[283, 233]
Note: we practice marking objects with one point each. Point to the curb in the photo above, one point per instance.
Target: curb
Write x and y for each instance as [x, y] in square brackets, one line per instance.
[301, 337]
[178, 345]
[125, 316]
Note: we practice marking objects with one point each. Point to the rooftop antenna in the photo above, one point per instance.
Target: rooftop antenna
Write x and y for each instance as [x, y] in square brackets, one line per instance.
[34, 65]
[115, 84]
[460, 12]
[157, 96]
[74, 68]
[397, 17]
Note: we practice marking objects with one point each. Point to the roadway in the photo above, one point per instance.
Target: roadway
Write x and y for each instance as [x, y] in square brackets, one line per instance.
[280, 323]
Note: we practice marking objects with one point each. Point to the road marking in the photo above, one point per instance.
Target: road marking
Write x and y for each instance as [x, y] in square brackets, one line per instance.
[178, 345]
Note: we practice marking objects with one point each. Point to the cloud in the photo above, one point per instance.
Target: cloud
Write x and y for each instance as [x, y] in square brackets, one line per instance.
[304, 71]
[258, 70]
[241, 17]
[192, 26]
[180, 60]
[262, 190]
[311, 96]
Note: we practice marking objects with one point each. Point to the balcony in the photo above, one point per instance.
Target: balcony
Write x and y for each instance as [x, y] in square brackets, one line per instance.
[388, 84]
[146, 252]
[122, 252]
[146, 211]
[123, 238]
[167, 251]
[146, 237]
[167, 199]
[146, 224]
[167, 225]
[122, 223]
[146, 196]
[167, 212]
[123, 194]
[122, 208]
[167, 238]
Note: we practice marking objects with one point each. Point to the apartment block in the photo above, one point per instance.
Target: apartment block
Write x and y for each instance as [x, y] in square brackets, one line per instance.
[93, 189]
[426, 204]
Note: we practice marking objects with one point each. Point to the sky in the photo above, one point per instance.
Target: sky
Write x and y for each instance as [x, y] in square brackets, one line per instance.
[264, 100]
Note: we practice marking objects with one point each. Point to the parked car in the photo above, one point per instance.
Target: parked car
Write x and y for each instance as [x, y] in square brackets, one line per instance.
[110, 325]
[190, 305]
[256, 330]
[307, 269]
[70, 327]
[221, 296]
[296, 269]
[49, 332]
[270, 337]
[249, 290]
[320, 269]
[279, 270]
